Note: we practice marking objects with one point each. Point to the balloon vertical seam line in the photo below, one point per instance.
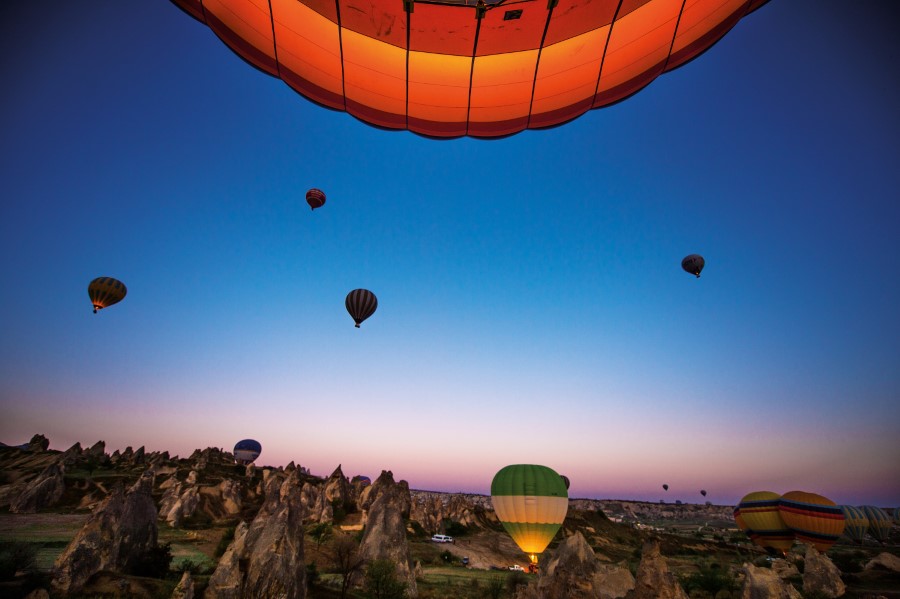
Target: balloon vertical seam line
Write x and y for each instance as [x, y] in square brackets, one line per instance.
[274, 42]
[674, 36]
[408, 40]
[605, 50]
[537, 63]
[337, 9]
[472, 68]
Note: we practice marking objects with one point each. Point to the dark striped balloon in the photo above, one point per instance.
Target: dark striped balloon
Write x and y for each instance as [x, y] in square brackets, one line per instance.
[315, 198]
[815, 520]
[693, 264]
[106, 291]
[361, 304]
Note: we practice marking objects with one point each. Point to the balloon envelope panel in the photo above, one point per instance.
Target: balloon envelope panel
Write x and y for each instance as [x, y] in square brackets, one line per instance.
[246, 451]
[815, 520]
[531, 502]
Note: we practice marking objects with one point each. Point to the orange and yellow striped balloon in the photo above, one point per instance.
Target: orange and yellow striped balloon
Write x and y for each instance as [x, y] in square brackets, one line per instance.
[815, 520]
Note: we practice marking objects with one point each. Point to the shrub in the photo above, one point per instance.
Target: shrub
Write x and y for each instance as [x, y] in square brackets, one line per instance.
[16, 556]
[515, 580]
[312, 574]
[710, 579]
[153, 564]
[381, 581]
[225, 541]
[494, 588]
[454, 529]
[447, 557]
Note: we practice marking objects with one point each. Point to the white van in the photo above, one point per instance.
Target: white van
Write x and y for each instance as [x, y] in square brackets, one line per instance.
[441, 539]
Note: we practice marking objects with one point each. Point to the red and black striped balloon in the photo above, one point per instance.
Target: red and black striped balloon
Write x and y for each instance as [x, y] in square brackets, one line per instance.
[361, 304]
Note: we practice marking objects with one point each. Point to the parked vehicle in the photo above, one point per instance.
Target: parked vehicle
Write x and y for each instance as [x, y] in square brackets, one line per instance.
[516, 568]
[441, 539]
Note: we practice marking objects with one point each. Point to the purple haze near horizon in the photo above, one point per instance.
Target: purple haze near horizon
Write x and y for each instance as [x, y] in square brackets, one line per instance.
[531, 304]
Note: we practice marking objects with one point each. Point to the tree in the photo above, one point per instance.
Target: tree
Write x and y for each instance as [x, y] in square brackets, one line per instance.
[382, 581]
[320, 533]
[346, 558]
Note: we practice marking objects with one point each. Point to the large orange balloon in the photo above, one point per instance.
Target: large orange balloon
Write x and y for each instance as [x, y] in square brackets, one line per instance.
[448, 68]
[815, 520]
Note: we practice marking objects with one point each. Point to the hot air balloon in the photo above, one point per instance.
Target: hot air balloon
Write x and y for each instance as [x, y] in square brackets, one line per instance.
[759, 512]
[106, 291]
[453, 68]
[362, 480]
[246, 451]
[565, 480]
[856, 524]
[879, 522]
[703, 492]
[361, 304]
[739, 520]
[315, 198]
[666, 487]
[815, 520]
[531, 502]
[693, 264]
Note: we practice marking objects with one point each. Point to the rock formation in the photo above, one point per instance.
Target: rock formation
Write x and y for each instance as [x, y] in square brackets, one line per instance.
[654, 581]
[266, 558]
[784, 569]
[45, 490]
[385, 505]
[763, 583]
[117, 535]
[338, 490]
[883, 561]
[180, 501]
[185, 587]
[39, 443]
[573, 572]
[821, 576]
[97, 450]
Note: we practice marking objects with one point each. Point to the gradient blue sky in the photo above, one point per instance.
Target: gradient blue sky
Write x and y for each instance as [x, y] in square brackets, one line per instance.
[532, 307]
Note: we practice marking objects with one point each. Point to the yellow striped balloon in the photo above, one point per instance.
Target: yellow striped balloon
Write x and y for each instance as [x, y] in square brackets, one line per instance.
[106, 291]
[531, 502]
[879, 522]
[856, 523]
[759, 512]
[815, 520]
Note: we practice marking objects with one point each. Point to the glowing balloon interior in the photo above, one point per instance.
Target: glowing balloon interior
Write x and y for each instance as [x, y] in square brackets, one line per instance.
[531, 502]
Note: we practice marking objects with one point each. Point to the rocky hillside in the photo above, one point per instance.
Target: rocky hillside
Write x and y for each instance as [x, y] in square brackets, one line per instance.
[243, 531]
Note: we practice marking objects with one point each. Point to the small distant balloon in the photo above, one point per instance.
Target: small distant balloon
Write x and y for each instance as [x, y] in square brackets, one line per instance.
[361, 304]
[703, 492]
[666, 487]
[693, 264]
[565, 480]
[246, 451]
[106, 291]
[315, 198]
